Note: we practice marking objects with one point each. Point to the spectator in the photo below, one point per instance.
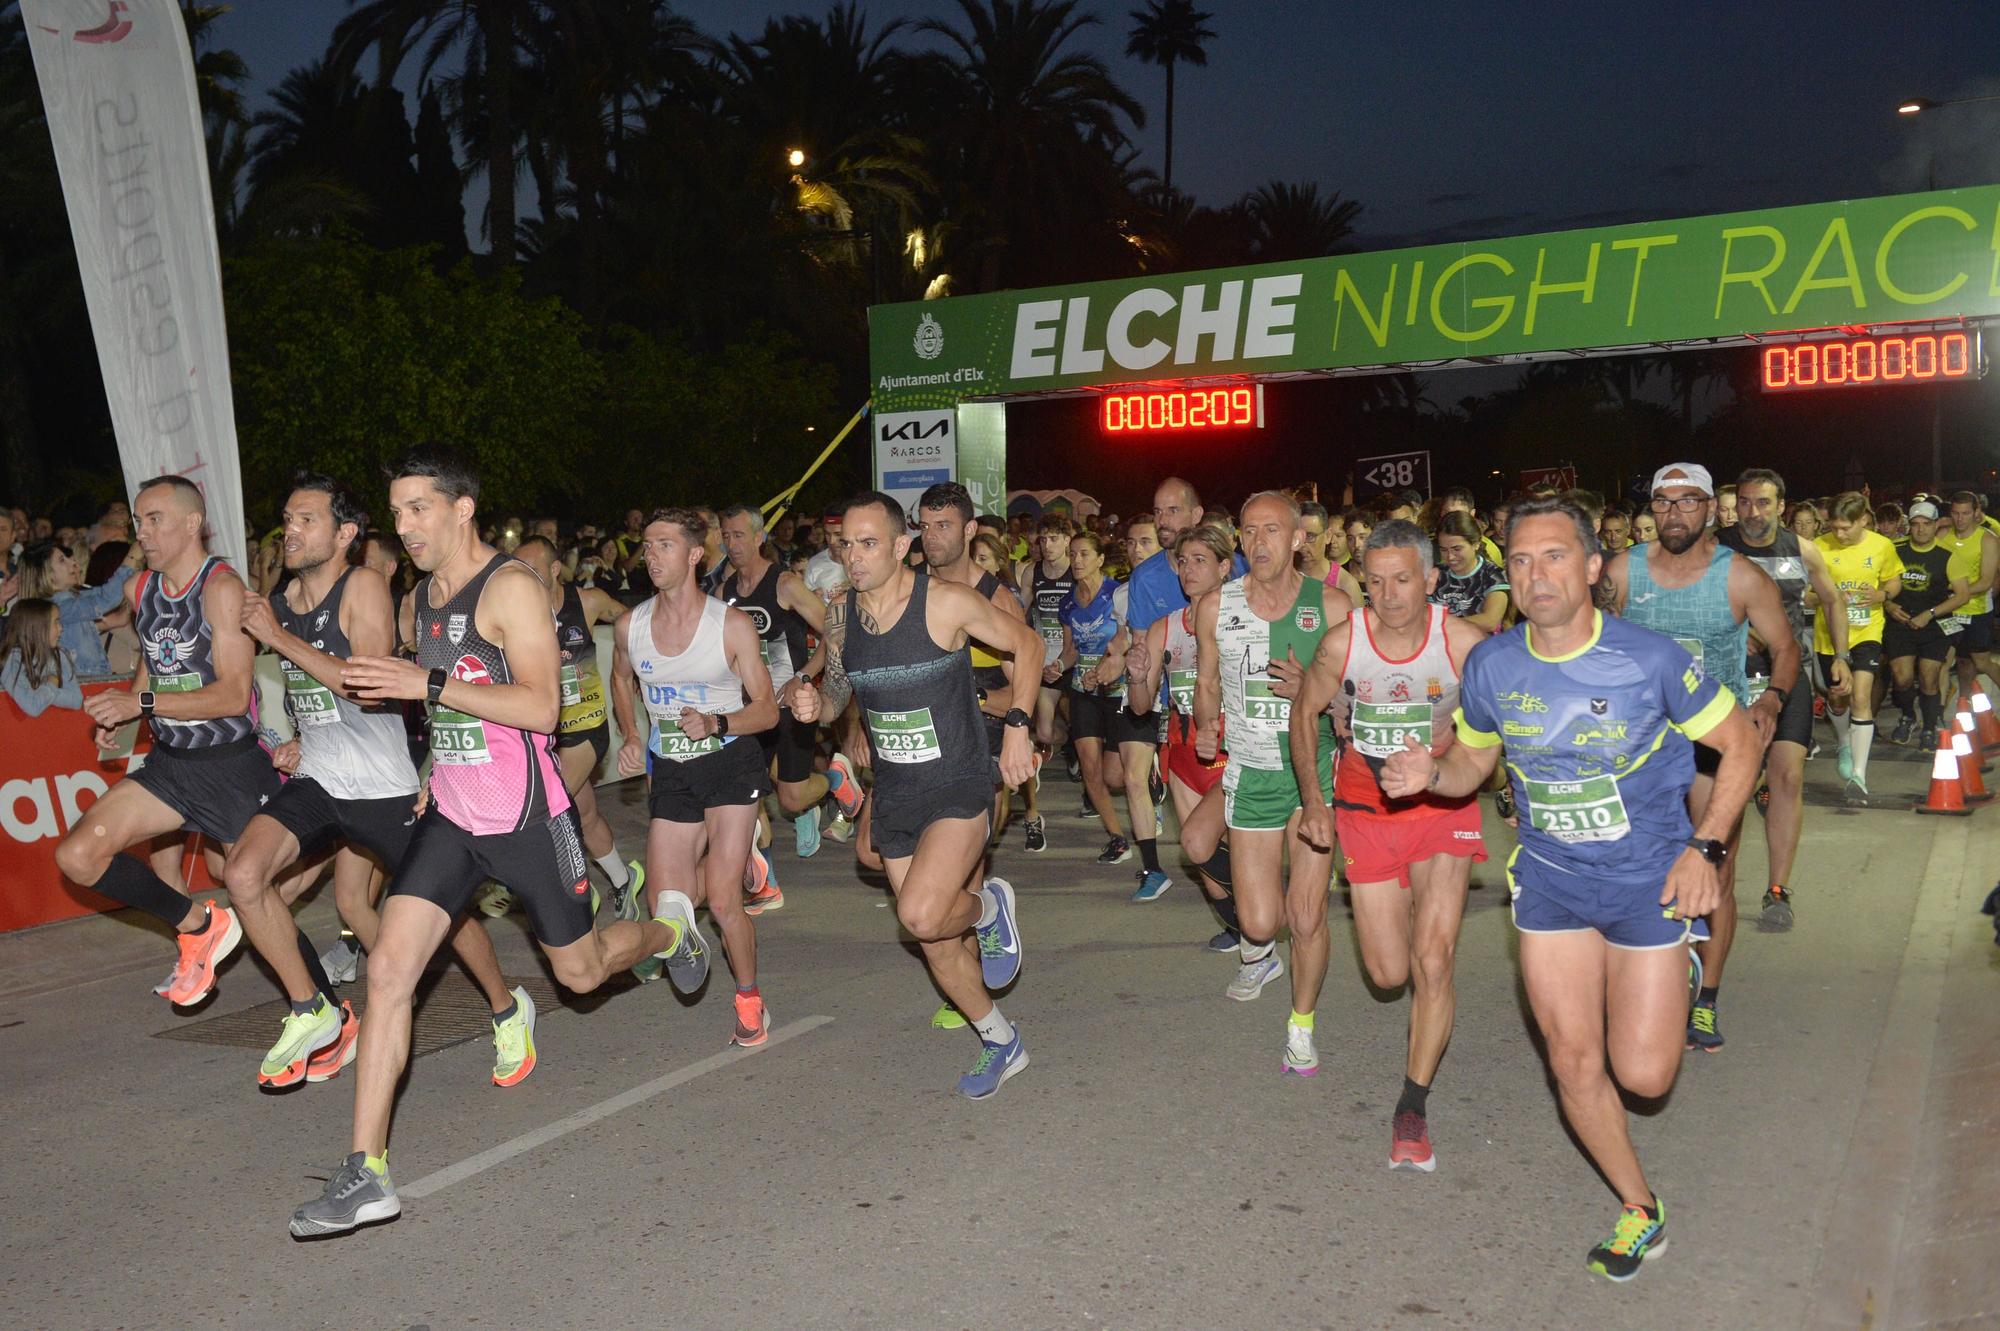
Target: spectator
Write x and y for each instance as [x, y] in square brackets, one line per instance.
[34, 669]
[50, 573]
[1644, 529]
[1615, 532]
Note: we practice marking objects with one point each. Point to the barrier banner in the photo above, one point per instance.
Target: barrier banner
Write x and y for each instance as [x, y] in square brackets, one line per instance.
[117, 81]
[49, 774]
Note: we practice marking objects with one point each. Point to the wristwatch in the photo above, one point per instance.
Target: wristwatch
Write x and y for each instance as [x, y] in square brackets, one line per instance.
[1015, 717]
[439, 678]
[1784, 695]
[146, 702]
[721, 723]
[1715, 852]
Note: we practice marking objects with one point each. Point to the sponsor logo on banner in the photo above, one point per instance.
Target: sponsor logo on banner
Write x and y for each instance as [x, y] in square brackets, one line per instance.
[929, 341]
[914, 450]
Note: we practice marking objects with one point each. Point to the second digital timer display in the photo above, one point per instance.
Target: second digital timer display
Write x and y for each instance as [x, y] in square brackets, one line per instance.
[1152, 410]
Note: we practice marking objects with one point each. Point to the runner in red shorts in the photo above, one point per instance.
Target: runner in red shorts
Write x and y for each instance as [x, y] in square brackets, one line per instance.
[1391, 671]
[1159, 670]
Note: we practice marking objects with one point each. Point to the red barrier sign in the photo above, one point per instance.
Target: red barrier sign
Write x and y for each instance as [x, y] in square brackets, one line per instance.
[1562, 478]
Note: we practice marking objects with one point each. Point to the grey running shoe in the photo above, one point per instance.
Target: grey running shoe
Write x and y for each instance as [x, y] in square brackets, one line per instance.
[687, 963]
[342, 961]
[355, 1195]
[1777, 913]
[1856, 795]
[1252, 976]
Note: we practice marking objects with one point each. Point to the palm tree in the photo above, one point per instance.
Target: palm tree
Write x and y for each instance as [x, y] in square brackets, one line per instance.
[1290, 222]
[1169, 32]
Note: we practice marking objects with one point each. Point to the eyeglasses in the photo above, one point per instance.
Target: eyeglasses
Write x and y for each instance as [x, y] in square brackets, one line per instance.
[1686, 503]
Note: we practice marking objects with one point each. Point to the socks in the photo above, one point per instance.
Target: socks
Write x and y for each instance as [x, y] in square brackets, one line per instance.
[1414, 1097]
[314, 971]
[614, 869]
[989, 908]
[1840, 724]
[1905, 699]
[1707, 998]
[749, 991]
[378, 1165]
[507, 1014]
[1255, 952]
[301, 1009]
[1932, 707]
[1302, 1020]
[1149, 854]
[1217, 868]
[1225, 910]
[131, 883]
[673, 928]
[1861, 737]
[994, 1028]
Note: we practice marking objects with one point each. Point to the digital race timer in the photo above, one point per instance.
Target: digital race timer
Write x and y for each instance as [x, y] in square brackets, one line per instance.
[1143, 410]
[1863, 362]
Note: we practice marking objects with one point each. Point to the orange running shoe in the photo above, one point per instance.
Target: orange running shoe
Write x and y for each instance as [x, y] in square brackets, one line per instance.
[842, 785]
[328, 1062]
[760, 892]
[753, 1022]
[201, 952]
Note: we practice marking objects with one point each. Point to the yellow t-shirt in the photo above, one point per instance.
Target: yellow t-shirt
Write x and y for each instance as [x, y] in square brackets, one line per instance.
[1966, 552]
[1870, 562]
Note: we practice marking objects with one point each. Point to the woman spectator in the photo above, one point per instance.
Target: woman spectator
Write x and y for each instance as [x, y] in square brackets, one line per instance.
[34, 669]
[50, 573]
[1805, 520]
[1644, 529]
[1470, 585]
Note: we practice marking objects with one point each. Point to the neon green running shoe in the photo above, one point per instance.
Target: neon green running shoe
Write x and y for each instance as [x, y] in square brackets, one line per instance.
[514, 1042]
[1641, 1235]
[627, 903]
[948, 1018]
[303, 1035]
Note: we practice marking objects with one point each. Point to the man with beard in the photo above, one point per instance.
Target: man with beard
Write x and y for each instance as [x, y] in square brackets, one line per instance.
[1706, 597]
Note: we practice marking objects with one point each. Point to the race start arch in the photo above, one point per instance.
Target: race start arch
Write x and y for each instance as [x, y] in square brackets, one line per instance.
[1914, 276]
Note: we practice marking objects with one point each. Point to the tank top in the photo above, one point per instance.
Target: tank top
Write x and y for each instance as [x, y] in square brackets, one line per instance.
[918, 701]
[781, 635]
[353, 753]
[698, 677]
[1047, 610]
[1697, 616]
[1256, 718]
[487, 778]
[1388, 701]
[582, 681]
[1787, 567]
[1091, 630]
[1177, 668]
[175, 635]
[988, 671]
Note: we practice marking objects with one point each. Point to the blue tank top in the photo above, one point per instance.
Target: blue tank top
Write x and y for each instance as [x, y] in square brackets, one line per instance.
[1696, 616]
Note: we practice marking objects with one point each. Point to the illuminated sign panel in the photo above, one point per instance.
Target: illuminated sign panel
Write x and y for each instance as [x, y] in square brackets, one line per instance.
[1866, 362]
[1154, 410]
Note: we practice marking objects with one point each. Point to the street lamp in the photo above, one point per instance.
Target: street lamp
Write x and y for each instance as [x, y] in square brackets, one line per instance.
[796, 158]
[1911, 106]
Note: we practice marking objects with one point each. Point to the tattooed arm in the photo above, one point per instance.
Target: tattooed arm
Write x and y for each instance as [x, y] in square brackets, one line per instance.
[835, 689]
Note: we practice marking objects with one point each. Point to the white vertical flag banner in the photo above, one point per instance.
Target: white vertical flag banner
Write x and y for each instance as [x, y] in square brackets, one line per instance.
[117, 80]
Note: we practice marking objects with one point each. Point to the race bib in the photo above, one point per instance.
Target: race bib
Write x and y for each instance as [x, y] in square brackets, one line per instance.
[1080, 673]
[457, 740]
[1951, 624]
[1698, 651]
[572, 687]
[904, 737]
[312, 702]
[675, 745]
[1575, 812]
[1263, 707]
[1859, 615]
[1380, 728]
[1754, 688]
[184, 683]
[1180, 691]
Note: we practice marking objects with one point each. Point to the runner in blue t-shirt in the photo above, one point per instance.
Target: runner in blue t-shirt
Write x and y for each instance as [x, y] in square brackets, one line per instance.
[1595, 716]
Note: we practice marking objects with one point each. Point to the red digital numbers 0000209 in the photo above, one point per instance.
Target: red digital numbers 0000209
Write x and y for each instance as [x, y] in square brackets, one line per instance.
[1179, 409]
[1863, 362]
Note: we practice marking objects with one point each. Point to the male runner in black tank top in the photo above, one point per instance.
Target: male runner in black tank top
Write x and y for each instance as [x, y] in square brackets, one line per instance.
[933, 778]
[206, 772]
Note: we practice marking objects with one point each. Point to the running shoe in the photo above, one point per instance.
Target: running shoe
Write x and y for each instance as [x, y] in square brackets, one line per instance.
[342, 961]
[1152, 886]
[1813, 751]
[1855, 796]
[1226, 941]
[761, 892]
[1156, 785]
[805, 829]
[947, 1018]
[201, 952]
[1640, 1236]
[1503, 804]
[327, 1063]
[1844, 763]
[1695, 977]
[1410, 1143]
[839, 828]
[1072, 766]
[303, 1035]
[1702, 1033]
[1762, 799]
[1300, 1055]
[166, 986]
[495, 901]
[999, 938]
[629, 901]
[514, 1042]
[1252, 976]
[842, 785]
[996, 1063]
[687, 959]
[1116, 851]
[753, 1022]
[1905, 728]
[1776, 917]
[649, 969]
[355, 1195]
[1086, 812]
[1038, 835]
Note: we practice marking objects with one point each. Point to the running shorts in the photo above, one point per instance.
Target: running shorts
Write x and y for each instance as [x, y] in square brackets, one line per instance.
[597, 737]
[1182, 761]
[1863, 656]
[1257, 800]
[683, 792]
[542, 864]
[1929, 643]
[1625, 910]
[900, 822]
[791, 743]
[1380, 847]
[382, 827]
[216, 789]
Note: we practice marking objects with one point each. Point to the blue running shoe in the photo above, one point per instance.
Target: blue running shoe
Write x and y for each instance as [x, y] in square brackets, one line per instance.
[1152, 886]
[996, 1063]
[1843, 763]
[1226, 941]
[806, 828]
[999, 941]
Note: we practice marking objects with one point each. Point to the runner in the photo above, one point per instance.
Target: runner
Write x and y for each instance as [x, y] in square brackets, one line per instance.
[1975, 557]
[1253, 639]
[1706, 597]
[933, 779]
[583, 735]
[1098, 722]
[1048, 579]
[1923, 622]
[1392, 670]
[783, 609]
[1794, 565]
[1596, 716]
[489, 666]
[196, 689]
[707, 692]
[1866, 568]
[352, 782]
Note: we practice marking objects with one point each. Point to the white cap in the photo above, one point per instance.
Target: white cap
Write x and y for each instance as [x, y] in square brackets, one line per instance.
[1925, 509]
[1691, 474]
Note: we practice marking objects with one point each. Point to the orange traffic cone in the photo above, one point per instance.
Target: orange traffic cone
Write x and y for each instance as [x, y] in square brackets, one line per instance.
[1975, 753]
[1946, 796]
[1988, 720]
[1968, 768]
